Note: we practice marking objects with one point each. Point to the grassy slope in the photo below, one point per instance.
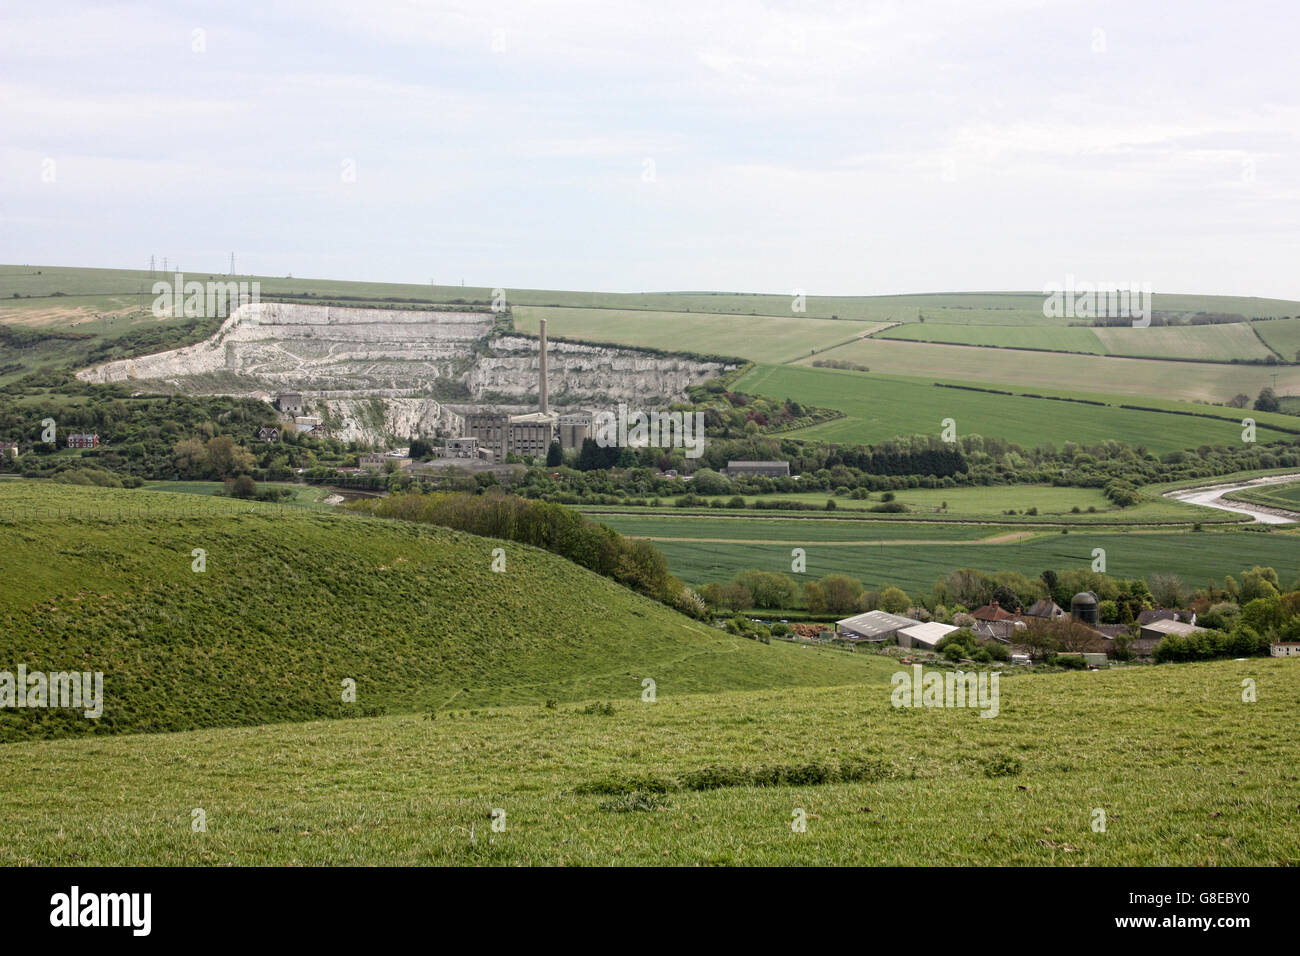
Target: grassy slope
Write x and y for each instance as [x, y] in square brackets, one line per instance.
[1186, 773]
[293, 602]
[879, 407]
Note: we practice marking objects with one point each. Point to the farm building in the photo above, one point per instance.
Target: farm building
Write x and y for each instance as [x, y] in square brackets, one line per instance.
[872, 626]
[83, 441]
[1084, 607]
[1149, 635]
[1284, 649]
[1151, 615]
[1046, 608]
[1003, 632]
[1158, 629]
[924, 636]
[767, 469]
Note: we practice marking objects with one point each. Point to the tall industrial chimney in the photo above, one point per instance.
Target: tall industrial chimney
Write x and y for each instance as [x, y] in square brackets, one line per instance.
[542, 390]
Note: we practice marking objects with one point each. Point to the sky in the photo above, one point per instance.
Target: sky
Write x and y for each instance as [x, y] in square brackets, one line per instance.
[845, 148]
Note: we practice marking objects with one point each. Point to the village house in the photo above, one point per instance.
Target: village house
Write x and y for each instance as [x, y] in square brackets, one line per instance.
[269, 433]
[1284, 649]
[83, 441]
[1046, 609]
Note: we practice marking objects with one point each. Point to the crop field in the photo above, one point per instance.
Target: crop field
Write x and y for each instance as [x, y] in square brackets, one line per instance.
[1139, 378]
[762, 338]
[714, 779]
[878, 407]
[1202, 343]
[975, 503]
[290, 603]
[1282, 335]
[1196, 557]
[792, 531]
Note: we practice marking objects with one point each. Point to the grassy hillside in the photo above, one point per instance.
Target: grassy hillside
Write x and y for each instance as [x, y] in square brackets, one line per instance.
[293, 602]
[1186, 773]
[879, 407]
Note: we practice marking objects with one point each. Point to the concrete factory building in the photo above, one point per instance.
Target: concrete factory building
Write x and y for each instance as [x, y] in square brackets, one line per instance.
[574, 428]
[528, 436]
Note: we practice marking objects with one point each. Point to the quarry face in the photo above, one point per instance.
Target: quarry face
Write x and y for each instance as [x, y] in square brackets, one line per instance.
[381, 373]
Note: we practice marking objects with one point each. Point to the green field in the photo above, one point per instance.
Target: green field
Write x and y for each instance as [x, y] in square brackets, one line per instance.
[1186, 774]
[878, 407]
[1282, 335]
[1202, 343]
[760, 338]
[979, 503]
[914, 565]
[1139, 378]
[292, 602]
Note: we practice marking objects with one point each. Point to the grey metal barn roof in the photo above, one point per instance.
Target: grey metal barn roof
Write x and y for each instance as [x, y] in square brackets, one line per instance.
[875, 623]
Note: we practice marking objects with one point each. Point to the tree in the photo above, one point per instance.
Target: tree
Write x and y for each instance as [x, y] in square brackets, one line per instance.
[840, 593]
[894, 600]
[1267, 401]
[243, 487]
[554, 455]
[1166, 589]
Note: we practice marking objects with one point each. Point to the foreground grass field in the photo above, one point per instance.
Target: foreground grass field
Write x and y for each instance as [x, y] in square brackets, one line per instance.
[291, 602]
[1184, 771]
[878, 407]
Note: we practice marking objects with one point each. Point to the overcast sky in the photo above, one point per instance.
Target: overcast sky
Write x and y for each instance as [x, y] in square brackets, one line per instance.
[840, 148]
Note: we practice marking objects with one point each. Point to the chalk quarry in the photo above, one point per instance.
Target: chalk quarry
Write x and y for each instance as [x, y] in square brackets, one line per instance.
[376, 374]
